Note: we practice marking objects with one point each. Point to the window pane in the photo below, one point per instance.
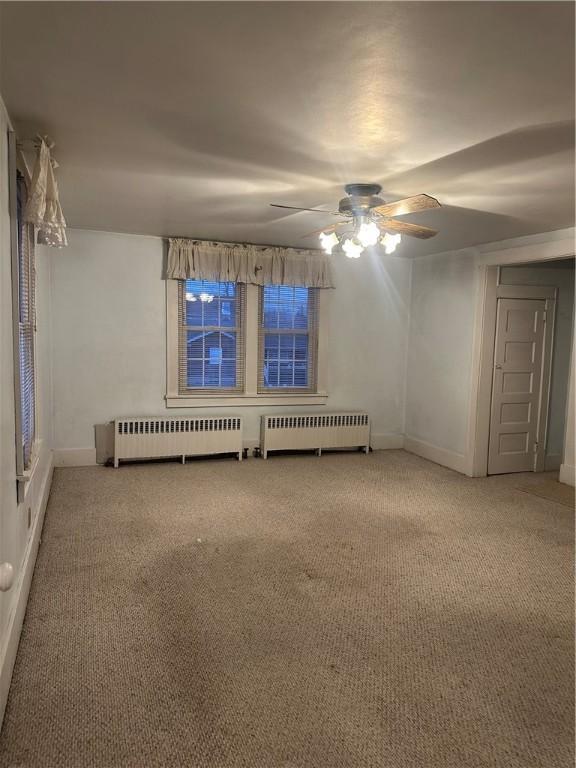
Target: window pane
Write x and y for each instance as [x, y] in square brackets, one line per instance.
[227, 313]
[301, 374]
[300, 307]
[286, 378]
[301, 347]
[228, 344]
[209, 303]
[211, 374]
[271, 346]
[228, 373]
[285, 360]
[193, 313]
[287, 347]
[195, 344]
[285, 306]
[195, 373]
[270, 313]
[271, 373]
[210, 309]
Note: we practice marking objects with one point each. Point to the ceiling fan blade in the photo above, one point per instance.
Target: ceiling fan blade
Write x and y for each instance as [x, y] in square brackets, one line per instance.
[408, 205]
[405, 228]
[328, 229]
[312, 210]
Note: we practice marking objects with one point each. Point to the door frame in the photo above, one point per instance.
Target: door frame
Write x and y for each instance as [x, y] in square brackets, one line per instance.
[487, 279]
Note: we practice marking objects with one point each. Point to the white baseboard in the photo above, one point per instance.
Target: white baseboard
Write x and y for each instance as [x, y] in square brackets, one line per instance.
[378, 441]
[21, 586]
[438, 455]
[75, 457]
[86, 457]
[567, 474]
[386, 440]
[552, 462]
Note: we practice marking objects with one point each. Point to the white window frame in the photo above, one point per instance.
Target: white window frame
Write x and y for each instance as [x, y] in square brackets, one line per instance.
[24, 473]
[239, 330]
[311, 334]
[250, 396]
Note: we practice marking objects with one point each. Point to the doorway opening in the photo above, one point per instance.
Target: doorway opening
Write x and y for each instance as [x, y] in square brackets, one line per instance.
[525, 348]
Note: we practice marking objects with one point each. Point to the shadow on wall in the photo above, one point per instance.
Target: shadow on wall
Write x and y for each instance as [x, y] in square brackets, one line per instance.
[104, 439]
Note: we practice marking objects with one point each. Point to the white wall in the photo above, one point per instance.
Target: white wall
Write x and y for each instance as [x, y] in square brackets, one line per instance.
[445, 290]
[440, 352]
[18, 538]
[109, 351]
[561, 276]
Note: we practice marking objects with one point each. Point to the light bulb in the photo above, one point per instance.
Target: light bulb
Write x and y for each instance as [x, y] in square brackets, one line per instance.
[207, 297]
[390, 242]
[328, 241]
[351, 249]
[368, 233]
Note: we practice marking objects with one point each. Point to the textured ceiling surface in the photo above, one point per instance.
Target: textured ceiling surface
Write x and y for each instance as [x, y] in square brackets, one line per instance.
[189, 118]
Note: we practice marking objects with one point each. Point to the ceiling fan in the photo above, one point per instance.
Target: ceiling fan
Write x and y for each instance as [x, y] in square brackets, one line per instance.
[367, 219]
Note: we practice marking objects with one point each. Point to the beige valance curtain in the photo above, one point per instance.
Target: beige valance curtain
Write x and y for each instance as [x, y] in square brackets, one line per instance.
[242, 263]
[43, 208]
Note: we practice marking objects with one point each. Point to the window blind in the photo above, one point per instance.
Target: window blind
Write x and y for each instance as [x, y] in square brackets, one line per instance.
[287, 339]
[211, 319]
[26, 327]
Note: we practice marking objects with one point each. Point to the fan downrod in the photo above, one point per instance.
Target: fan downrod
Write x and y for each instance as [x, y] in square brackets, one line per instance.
[362, 190]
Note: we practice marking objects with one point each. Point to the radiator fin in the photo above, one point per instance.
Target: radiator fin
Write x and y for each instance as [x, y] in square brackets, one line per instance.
[165, 426]
[317, 422]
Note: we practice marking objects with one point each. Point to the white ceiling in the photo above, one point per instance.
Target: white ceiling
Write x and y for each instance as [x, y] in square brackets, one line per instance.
[189, 118]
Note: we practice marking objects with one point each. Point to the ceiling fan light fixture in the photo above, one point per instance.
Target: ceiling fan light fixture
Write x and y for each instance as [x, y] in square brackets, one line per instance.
[367, 220]
[352, 249]
[368, 233]
[390, 242]
[328, 241]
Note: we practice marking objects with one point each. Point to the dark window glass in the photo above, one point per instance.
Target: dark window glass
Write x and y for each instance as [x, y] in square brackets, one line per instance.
[285, 324]
[211, 315]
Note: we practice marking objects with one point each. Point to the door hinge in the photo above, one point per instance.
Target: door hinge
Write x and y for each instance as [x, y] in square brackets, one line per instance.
[545, 315]
[535, 449]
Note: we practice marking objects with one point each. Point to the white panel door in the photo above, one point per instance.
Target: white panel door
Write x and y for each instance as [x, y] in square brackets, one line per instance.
[517, 385]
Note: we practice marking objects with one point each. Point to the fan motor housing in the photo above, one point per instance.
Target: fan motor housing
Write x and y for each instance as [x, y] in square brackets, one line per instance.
[361, 198]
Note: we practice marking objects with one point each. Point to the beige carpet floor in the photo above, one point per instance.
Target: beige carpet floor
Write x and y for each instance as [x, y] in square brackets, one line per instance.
[550, 488]
[347, 611]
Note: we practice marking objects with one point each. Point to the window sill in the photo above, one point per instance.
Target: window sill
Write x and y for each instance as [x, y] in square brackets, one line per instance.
[24, 480]
[224, 401]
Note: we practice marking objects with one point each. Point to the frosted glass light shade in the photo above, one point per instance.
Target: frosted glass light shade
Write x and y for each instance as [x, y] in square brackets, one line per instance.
[390, 242]
[351, 249]
[328, 241]
[368, 233]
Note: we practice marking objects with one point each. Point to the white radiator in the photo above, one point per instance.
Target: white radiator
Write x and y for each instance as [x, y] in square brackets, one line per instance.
[328, 430]
[150, 438]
